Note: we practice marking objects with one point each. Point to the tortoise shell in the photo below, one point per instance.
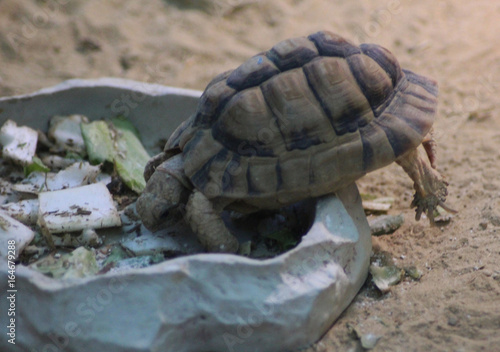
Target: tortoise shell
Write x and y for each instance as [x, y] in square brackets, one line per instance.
[303, 119]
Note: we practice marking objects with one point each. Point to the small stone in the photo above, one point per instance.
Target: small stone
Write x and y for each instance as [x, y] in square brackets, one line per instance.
[452, 320]
[413, 272]
[487, 273]
[368, 341]
[386, 276]
[385, 224]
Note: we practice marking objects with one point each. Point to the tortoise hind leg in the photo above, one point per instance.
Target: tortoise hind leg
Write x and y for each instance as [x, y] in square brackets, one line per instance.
[206, 222]
[429, 145]
[430, 187]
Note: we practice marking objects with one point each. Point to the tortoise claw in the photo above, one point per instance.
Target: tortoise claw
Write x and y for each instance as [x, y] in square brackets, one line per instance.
[429, 203]
[425, 205]
[430, 186]
[447, 208]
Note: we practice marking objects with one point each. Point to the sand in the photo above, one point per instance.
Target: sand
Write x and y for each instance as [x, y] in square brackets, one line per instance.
[456, 304]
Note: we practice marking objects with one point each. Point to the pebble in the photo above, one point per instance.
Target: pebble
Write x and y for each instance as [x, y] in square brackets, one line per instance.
[385, 224]
[452, 321]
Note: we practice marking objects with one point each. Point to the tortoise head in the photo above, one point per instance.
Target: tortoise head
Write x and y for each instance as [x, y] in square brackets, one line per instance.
[161, 202]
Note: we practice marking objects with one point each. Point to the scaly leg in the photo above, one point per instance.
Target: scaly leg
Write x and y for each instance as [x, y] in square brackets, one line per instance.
[429, 145]
[208, 225]
[430, 187]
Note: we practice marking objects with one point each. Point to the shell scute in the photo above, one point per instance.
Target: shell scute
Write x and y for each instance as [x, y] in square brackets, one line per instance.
[400, 135]
[332, 164]
[262, 176]
[423, 82]
[375, 83]
[330, 44]
[299, 162]
[292, 53]
[385, 59]
[212, 101]
[198, 151]
[377, 149]
[290, 99]
[247, 121]
[336, 89]
[252, 72]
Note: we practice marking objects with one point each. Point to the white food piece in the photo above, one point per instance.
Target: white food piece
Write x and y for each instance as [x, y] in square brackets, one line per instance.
[19, 143]
[90, 238]
[66, 132]
[25, 211]
[78, 174]
[75, 209]
[376, 207]
[11, 229]
[103, 178]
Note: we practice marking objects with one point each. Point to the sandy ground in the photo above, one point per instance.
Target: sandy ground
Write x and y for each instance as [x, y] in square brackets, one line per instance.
[456, 304]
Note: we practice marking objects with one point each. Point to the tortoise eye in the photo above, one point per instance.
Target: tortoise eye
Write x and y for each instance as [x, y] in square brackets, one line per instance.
[161, 211]
[164, 214]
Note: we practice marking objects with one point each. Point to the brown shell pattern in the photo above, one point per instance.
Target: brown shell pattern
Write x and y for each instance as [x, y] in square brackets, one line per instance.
[304, 119]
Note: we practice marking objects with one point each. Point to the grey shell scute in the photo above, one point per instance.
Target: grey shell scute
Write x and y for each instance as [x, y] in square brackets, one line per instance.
[302, 119]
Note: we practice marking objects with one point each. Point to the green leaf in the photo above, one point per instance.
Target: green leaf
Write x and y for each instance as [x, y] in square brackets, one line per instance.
[98, 141]
[77, 264]
[117, 253]
[123, 124]
[117, 141]
[131, 157]
[36, 165]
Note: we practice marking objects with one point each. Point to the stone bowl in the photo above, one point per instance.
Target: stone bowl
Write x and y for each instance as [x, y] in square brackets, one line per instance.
[202, 302]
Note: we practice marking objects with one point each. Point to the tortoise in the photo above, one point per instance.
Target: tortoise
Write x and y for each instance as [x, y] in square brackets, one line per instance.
[301, 120]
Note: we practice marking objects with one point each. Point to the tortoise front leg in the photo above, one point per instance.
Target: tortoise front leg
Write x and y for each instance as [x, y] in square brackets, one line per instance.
[430, 187]
[206, 222]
